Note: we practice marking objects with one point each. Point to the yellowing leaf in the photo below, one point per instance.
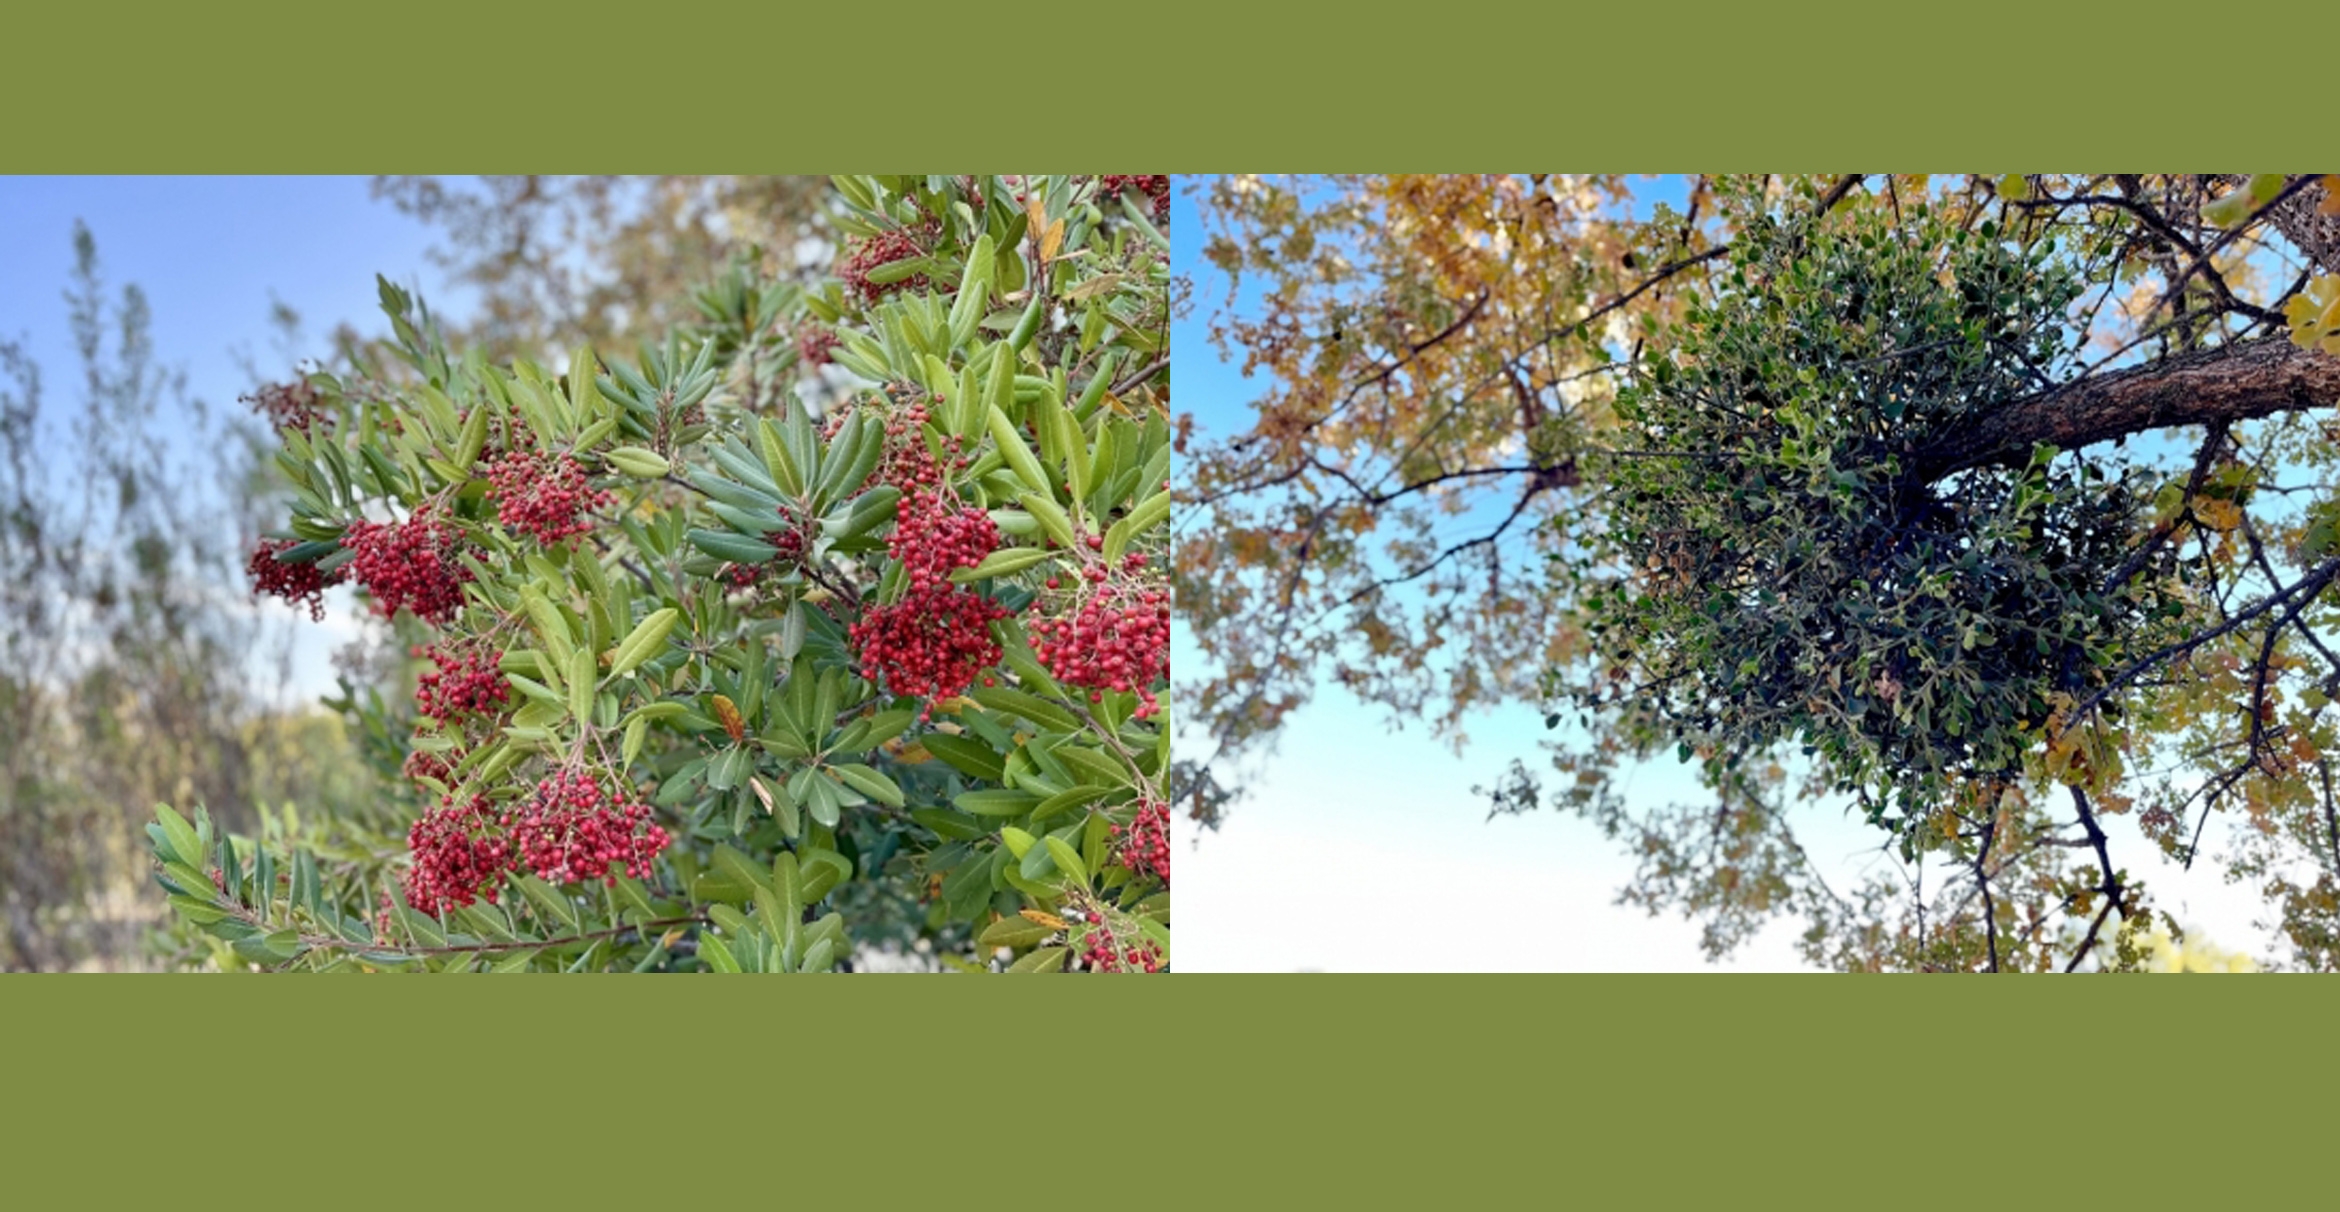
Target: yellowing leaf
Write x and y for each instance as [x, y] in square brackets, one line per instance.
[727, 714]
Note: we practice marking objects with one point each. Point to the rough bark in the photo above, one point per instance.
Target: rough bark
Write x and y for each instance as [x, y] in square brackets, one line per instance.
[2238, 382]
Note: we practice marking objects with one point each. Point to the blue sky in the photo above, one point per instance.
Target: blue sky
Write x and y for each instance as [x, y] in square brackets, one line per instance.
[1361, 848]
[211, 253]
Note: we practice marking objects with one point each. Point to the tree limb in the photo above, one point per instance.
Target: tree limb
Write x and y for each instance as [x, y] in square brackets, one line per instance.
[2238, 382]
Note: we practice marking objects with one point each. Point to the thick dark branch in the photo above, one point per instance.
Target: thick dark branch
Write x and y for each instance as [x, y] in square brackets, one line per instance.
[2310, 585]
[2111, 887]
[2238, 382]
[2212, 446]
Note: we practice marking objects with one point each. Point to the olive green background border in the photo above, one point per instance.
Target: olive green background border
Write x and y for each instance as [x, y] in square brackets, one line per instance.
[1419, 1092]
[1428, 1091]
[1197, 85]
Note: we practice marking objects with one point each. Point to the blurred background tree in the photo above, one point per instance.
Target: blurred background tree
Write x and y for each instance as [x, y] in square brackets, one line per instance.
[123, 674]
[601, 259]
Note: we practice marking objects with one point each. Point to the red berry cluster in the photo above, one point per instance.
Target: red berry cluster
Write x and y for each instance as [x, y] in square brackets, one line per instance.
[789, 545]
[466, 681]
[1118, 638]
[571, 832]
[885, 248]
[909, 464]
[813, 344]
[788, 548]
[1101, 952]
[295, 583]
[931, 644]
[1155, 187]
[932, 540]
[937, 639]
[289, 406]
[459, 858]
[410, 564]
[422, 764]
[566, 834]
[544, 494]
[1144, 843]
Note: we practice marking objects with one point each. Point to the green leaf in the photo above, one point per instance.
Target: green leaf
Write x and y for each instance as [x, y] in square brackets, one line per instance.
[870, 783]
[718, 956]
[1028, 325]
[823, 798]
[1052, 518]
[741, 868]
[516, 961]
[183, 844]
[822, 871]
[581, 686]
[558, 910]
[1016, 932]
[637, 462]
[950, 826]
[997, 802]
[1018, 455]
[969, 757]
[1015, 702]
[646, 640]
[726, 546]
[1046, 959]
[1068, 860]
[1068, 799]
[1004, 562]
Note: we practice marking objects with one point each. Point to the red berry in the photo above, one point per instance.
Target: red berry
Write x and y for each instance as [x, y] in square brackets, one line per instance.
[467, 681]
[295, 583]
[409, 564]
[545, 495]
[885, 248]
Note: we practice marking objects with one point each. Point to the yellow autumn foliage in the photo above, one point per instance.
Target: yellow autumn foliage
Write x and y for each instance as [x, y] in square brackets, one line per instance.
[2194, 954]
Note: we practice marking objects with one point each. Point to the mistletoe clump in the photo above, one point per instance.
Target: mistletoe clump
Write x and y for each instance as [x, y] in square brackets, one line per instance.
[1800, 566]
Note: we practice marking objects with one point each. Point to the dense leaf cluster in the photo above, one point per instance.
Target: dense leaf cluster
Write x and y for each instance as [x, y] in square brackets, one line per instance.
[1780, 564]
[700, 759]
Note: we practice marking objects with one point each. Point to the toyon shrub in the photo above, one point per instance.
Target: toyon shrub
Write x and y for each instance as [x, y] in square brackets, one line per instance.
[834, 625]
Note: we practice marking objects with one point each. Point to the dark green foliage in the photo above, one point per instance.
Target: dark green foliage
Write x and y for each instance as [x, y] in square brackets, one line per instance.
[1794, 571]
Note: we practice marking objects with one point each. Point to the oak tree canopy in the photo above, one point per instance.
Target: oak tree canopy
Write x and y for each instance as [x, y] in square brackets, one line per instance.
[1994, 507]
